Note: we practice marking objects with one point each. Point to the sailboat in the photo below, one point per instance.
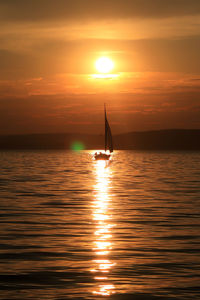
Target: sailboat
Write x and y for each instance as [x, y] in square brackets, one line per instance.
[108, 141]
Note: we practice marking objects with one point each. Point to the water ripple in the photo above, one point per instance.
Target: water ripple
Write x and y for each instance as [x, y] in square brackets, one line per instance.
[75, 229]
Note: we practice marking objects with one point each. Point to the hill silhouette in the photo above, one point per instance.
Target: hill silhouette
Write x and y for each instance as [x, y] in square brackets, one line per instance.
[173, 139]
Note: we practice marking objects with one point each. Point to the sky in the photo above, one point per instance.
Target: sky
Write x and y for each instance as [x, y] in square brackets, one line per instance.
[48, 51]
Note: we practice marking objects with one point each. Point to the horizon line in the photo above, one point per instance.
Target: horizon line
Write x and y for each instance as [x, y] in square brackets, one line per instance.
[85, 133]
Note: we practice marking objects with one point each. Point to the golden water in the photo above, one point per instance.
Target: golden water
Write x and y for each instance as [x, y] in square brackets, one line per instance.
[76, 228]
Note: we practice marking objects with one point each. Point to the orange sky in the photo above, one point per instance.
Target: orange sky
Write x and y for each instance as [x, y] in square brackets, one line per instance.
[48, 51]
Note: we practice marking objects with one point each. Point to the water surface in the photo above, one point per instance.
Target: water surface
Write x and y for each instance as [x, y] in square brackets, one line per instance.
[74, 228]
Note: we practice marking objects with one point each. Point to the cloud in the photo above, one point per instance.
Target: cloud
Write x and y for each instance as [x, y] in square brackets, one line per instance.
[77, 57]
[48, 49]
[126, 112]
[45, 10]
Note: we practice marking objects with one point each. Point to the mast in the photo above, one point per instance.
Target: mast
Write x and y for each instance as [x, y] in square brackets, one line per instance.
[105, 128]
[108, 134]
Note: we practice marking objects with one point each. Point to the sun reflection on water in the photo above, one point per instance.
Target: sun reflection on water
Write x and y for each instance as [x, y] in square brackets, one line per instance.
[102, 245]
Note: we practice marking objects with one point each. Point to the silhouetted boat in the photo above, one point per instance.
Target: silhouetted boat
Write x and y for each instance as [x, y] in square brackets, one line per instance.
[108, 141]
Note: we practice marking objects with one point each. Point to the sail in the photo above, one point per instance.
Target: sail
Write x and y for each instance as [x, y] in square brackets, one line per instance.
[108, 135]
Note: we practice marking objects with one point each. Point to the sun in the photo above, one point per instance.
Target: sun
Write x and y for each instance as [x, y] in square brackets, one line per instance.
[104, 65]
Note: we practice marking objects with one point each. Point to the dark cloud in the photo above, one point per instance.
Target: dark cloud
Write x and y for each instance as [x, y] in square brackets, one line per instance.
[44, 10]
[36, 114]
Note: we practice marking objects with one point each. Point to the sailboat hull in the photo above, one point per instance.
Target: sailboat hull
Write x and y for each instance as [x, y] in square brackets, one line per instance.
[102, 156]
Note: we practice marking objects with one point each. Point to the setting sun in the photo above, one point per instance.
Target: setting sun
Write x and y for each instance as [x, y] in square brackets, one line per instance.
[104, 65]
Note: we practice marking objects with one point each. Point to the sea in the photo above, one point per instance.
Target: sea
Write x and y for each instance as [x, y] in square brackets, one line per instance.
[75, 228]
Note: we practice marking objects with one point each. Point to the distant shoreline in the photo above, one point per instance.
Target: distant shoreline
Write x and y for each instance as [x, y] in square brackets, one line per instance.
[168, 139]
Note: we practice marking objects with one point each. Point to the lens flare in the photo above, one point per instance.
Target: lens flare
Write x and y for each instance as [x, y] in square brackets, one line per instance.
[77, 146]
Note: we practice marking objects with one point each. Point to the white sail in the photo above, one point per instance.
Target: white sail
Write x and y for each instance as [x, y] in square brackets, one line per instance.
[108, 135]
[108, 142]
